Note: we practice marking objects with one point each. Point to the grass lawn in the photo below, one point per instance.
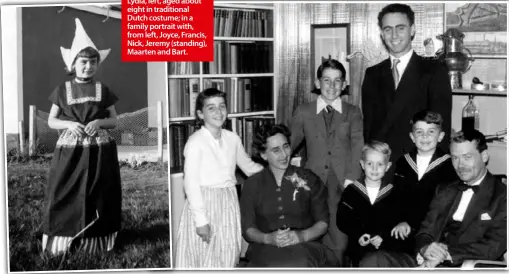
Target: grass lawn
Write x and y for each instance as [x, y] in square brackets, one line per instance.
[143, 242]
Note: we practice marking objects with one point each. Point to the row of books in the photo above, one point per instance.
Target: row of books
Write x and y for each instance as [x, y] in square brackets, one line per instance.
[183, 68]
[245, 127]
[242, 94]
[240, 57]
[241, 23]
[245, 94]
[182, 95]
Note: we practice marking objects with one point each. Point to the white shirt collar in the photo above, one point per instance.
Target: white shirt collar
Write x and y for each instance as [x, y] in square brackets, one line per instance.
[480, 180]
[403, 61]
[209, 134]
[321, 104]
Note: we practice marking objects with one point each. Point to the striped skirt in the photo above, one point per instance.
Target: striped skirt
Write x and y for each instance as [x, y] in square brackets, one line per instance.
[223, 251]
[61, 244]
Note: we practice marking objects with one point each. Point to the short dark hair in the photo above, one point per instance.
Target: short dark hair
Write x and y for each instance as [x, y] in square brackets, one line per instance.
[396, 8]
[200, 102]
[329, 63]
[265, 132]
[470, 135]
[333, 64]
[88, 52]
[430, 117]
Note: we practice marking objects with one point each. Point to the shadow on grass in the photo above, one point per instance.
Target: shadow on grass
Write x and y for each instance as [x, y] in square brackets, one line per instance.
[153, 234]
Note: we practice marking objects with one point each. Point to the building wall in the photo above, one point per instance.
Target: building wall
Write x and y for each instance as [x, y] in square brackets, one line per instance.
[12, 82]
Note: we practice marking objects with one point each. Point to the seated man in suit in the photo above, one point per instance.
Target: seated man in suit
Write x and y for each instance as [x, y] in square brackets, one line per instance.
[467, 220]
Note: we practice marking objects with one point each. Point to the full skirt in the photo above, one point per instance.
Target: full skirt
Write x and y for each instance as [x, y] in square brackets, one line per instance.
[223, 251]
[83, 196]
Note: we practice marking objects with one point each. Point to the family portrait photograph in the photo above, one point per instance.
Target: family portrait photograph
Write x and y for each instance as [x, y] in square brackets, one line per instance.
[322, 136]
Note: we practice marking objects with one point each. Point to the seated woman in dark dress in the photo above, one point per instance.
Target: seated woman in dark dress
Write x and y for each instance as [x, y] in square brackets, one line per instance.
[284, 208]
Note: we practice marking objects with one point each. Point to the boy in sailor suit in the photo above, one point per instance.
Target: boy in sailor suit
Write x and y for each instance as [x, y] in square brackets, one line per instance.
[418, 173]
[370, 209]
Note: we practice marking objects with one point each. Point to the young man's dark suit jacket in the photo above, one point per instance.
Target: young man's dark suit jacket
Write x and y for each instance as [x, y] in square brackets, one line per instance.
[481, 237]
[387, 113]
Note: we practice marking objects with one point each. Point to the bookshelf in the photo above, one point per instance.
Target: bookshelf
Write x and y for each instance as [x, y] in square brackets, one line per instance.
[479, 92]
[243, 67]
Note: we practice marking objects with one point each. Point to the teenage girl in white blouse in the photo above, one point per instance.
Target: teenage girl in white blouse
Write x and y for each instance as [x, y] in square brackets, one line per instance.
[209, 235]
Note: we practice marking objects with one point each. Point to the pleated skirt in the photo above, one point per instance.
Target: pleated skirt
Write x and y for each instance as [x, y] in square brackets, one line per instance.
[223, 251]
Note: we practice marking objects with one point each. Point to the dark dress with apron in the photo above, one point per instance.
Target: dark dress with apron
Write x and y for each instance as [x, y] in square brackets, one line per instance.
[83, 196]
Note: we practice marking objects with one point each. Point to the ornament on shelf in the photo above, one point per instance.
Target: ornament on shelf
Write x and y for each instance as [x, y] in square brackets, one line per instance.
[371, 53]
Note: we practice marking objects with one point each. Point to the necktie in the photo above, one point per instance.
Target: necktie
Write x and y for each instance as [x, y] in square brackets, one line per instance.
[395, 73]
[464, 187]
[328, 116]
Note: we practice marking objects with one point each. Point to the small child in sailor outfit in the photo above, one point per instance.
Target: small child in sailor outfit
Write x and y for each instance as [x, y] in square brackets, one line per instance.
[370, 209]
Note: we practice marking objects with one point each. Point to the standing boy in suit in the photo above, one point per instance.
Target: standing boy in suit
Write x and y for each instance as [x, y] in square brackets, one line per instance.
[332, 130]
[467, 219]
[405, 83]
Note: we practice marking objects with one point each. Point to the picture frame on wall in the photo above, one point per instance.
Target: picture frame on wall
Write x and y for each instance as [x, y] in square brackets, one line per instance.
[484, 26]
[329, 41]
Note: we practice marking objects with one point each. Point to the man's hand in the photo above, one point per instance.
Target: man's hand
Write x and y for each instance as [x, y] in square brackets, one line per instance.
[204, 233]
[401, 231]
[364, 240]
[430, 264]
[376, 241]
[435, 252]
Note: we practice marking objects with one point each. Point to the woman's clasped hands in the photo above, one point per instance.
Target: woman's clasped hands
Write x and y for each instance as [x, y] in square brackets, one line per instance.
[285, 237]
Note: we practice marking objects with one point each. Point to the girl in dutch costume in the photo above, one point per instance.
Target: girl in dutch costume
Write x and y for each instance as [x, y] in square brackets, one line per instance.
[209, 235]
[83, 195]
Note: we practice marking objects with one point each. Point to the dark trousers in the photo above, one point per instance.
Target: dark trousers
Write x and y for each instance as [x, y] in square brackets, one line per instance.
[336, 240]
[384, 258]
